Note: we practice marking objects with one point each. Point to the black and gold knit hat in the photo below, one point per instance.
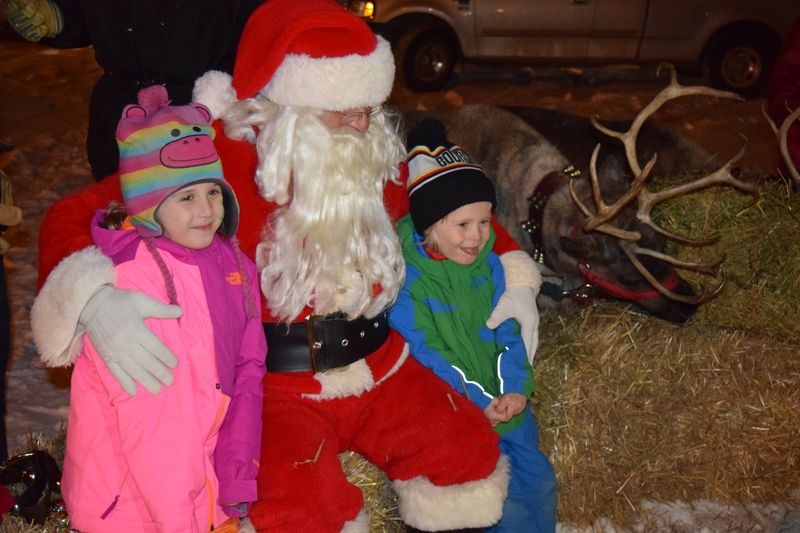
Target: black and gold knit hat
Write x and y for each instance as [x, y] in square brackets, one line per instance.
[441, 176]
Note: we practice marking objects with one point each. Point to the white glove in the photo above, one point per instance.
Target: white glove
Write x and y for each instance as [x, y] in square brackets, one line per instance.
[519, 302]
[114, 321]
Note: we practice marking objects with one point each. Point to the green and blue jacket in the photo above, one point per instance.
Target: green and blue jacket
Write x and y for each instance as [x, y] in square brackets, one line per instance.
[441, 311]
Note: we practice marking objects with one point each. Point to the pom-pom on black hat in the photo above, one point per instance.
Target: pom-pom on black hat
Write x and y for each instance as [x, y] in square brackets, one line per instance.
[441, 176]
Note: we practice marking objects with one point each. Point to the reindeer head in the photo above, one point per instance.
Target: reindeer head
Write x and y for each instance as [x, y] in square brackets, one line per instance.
[608, 229]
[597, 260]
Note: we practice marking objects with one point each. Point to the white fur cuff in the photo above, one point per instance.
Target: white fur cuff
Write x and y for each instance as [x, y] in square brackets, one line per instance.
[479, 503]
[55, 312]
[360, 524]
[521, 269]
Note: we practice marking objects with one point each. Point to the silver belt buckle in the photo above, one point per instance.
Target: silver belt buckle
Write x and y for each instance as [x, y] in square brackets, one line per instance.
[313, 344]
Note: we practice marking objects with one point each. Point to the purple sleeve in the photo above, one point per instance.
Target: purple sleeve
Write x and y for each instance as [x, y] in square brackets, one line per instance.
[238, 452]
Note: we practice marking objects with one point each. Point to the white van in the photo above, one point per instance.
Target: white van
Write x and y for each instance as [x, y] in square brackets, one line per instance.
[735, 41]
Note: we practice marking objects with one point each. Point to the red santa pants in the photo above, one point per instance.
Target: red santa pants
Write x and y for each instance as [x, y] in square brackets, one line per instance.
[410, 424]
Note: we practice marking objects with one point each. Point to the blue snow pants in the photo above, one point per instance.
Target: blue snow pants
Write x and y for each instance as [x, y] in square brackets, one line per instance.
[530, 506]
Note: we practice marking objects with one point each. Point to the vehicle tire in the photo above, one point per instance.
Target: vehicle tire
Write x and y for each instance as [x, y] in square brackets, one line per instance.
[740, 62]
[426, 59]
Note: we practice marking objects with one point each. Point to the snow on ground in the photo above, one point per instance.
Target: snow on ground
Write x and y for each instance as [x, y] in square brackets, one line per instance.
[43, 102]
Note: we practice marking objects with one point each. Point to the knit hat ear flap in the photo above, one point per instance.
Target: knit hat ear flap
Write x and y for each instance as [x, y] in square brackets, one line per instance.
[441, 176]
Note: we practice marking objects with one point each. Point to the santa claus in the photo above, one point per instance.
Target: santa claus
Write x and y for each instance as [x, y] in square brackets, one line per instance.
[307, 92]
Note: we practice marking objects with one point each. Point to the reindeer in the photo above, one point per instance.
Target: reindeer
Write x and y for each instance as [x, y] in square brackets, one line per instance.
[547, 167]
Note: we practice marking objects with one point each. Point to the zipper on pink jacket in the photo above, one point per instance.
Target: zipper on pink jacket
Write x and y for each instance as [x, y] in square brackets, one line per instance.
[116, 498]
[110, 508]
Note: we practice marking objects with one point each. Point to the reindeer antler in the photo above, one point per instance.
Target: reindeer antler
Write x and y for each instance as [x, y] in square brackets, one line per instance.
[722, 176]
[646, 200]
[709, 268]
[670, 92]
[783, 134]
[605, 214]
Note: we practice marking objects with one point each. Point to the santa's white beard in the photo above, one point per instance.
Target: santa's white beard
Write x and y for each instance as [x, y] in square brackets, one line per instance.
[333, 246]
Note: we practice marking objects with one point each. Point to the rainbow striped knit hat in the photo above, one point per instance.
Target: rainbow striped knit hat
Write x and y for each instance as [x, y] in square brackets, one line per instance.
[164, 148]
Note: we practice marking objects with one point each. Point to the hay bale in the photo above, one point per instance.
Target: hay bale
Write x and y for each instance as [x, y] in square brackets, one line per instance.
[762, 256]
[642, 410]
[379, 498]
[633, 409]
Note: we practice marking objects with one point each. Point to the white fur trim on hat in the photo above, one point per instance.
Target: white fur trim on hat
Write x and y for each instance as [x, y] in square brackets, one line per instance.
[215, 91]
[334, 83]
[57, 308]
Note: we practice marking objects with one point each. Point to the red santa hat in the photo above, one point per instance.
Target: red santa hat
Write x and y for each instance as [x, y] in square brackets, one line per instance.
[310, 53]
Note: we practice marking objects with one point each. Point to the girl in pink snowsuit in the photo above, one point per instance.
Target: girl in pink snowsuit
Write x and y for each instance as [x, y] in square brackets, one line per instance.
[185, 459]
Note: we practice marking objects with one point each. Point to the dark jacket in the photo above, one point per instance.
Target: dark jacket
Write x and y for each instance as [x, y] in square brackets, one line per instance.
[173, 41]
[144, 42]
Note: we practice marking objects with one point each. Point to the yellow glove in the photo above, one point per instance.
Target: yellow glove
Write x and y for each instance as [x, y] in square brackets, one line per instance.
[34, 19]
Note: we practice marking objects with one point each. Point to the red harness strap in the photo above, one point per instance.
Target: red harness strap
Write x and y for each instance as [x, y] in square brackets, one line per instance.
[623, 293]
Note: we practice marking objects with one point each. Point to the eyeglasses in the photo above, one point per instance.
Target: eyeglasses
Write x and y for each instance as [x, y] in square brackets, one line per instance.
[358, 113]
[356, 118]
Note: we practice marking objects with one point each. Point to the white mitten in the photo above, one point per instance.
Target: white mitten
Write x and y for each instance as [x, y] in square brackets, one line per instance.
[519, 299]
[114, 321]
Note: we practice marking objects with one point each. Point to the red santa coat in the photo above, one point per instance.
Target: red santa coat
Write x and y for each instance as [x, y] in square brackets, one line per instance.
[437, 447]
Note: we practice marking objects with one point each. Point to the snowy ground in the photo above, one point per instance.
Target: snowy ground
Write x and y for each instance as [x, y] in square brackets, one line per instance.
[43, 102]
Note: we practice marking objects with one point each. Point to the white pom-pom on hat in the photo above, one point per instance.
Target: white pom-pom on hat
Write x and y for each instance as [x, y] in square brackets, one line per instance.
[214, 90]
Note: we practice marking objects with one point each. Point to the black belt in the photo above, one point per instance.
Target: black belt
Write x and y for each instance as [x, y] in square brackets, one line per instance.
[323, 342]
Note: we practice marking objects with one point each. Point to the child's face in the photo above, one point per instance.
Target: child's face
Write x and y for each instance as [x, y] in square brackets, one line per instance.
[192, 215]
[463, 233]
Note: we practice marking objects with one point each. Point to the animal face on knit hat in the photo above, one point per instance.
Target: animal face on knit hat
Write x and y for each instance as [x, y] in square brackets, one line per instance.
[312, 53]
[441, 176]
[165, 148]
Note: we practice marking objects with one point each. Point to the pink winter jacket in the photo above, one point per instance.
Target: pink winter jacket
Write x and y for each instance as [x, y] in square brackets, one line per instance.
[146, 463]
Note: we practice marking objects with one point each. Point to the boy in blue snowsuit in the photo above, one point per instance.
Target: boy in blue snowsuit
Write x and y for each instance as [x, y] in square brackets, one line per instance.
[453, 281]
